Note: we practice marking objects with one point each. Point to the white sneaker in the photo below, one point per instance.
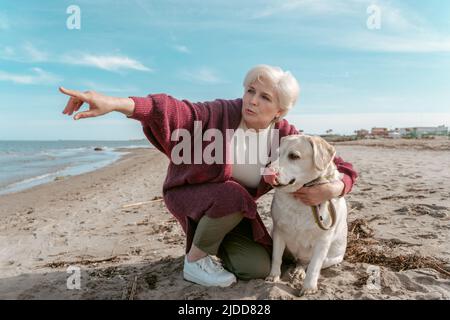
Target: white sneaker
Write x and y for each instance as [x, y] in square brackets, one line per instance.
[207, 272]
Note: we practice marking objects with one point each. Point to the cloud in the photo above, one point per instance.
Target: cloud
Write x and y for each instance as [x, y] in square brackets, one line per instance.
[393, 18]
[318, 7]
[39, 76]
[105, 62]
[402, 30]
[29, 53]
[90, 85]
[4, 23]
[396, 43]
[34, 54]
[25, 54]
[7, 53]
[182, 49]
[202, 75]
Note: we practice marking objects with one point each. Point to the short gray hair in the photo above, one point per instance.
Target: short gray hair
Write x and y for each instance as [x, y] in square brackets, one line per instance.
[284, 83]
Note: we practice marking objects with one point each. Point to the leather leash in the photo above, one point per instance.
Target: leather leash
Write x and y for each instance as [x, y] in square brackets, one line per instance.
[316, 209]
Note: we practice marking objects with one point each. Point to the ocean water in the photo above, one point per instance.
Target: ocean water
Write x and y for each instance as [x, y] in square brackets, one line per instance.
[24, 164]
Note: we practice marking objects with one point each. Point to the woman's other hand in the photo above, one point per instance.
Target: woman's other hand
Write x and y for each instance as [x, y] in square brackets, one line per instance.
[315, 195]
[99, 104]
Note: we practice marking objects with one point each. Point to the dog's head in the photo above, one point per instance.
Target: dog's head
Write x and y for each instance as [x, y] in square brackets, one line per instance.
[301, 159]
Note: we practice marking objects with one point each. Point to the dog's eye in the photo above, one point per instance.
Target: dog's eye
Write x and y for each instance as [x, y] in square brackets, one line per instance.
[294, 156]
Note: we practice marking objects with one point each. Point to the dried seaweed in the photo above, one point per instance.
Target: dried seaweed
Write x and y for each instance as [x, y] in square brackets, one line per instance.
[360, 249]
[61, 264]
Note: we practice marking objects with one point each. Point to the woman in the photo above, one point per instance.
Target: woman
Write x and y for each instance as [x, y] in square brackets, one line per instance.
[215, 202]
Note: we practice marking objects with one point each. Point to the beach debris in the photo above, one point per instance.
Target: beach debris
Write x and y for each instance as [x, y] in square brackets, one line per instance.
[109, 272]
[151, 281]
[155, 199]
[136, 251]
[127, 293]
[359, 229]
[360, 249]
[424, 209]
[133, 289]
[61, 264]
[160, 228]
[356, 205]
[362, 280]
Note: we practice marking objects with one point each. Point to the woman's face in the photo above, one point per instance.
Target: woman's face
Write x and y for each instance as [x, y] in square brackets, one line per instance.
[260, 105]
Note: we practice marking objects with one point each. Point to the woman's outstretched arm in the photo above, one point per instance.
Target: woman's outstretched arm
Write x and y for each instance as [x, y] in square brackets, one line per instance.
[99, 104]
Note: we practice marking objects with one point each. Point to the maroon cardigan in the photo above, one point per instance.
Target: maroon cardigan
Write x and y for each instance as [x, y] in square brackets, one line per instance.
[161, 114]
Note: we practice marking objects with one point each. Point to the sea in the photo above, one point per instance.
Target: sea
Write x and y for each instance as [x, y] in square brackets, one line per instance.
[25, 164]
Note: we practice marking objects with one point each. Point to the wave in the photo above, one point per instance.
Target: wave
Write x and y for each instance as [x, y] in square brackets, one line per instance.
[62, 166]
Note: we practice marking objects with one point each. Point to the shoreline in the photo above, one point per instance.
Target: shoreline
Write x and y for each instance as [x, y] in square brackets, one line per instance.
[129, 154]
[96, 221]
[35, 181]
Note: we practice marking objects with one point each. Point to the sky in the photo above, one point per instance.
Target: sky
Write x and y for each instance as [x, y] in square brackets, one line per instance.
[359, 63]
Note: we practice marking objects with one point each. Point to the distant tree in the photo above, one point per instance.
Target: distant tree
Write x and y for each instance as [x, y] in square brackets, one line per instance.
[329, 131]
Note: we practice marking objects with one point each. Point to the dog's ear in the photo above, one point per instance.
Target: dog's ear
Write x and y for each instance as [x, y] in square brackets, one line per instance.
[323, 152]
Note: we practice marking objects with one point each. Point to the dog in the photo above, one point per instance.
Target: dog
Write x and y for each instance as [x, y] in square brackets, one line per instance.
[316, 237]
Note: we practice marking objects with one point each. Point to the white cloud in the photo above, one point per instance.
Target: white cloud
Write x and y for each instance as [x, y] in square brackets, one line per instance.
[202, 75]
[39, 76]
[90, 85]
[7, 52]
[182, 49]
[29, 53]
[319, 7]
[4, 23]
[395, 43]
[26, 53]
[402, 30]
[393, 18]
[34, 54]
[105, 62]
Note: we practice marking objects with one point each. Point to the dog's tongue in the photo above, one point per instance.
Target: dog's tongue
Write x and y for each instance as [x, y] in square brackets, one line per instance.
[270, 176]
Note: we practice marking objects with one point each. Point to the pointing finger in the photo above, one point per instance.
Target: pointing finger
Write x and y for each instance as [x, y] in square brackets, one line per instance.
[73, 93]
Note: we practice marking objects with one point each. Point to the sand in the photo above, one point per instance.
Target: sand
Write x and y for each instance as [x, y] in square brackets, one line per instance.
[136, 252]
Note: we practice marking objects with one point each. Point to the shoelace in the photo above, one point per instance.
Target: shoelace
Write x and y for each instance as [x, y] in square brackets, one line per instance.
[210, 267]
[216, 265]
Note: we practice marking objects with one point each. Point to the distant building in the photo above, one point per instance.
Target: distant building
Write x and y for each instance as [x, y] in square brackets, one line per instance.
[379, 132]
[362, 133]
[418, 132]
[394, 134]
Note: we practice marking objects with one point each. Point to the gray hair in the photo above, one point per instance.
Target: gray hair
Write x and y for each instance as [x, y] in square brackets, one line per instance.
[283, 82]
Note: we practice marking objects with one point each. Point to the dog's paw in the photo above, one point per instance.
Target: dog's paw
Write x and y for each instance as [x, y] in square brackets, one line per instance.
[298, 274]
[306, 291]
[273, 278]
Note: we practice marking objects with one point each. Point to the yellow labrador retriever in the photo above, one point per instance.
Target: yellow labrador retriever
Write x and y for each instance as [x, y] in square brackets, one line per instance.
[316, 236]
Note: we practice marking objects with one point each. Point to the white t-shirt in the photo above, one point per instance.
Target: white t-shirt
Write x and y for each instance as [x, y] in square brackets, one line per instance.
[250, 154]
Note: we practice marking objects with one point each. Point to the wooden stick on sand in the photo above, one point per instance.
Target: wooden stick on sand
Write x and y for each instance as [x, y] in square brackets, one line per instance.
[133, 289]
[140, 203]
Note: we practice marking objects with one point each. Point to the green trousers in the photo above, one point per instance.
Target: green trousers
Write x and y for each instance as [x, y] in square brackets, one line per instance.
[231, 239]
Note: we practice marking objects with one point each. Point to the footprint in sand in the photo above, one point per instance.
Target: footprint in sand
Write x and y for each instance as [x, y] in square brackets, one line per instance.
[357, 205]
[426, 236]
[424, 209]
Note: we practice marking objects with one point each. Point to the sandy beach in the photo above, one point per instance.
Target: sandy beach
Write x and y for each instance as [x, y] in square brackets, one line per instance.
[112, 224]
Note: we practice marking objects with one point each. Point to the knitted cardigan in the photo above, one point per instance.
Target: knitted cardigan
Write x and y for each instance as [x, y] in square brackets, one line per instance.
[192, 190]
